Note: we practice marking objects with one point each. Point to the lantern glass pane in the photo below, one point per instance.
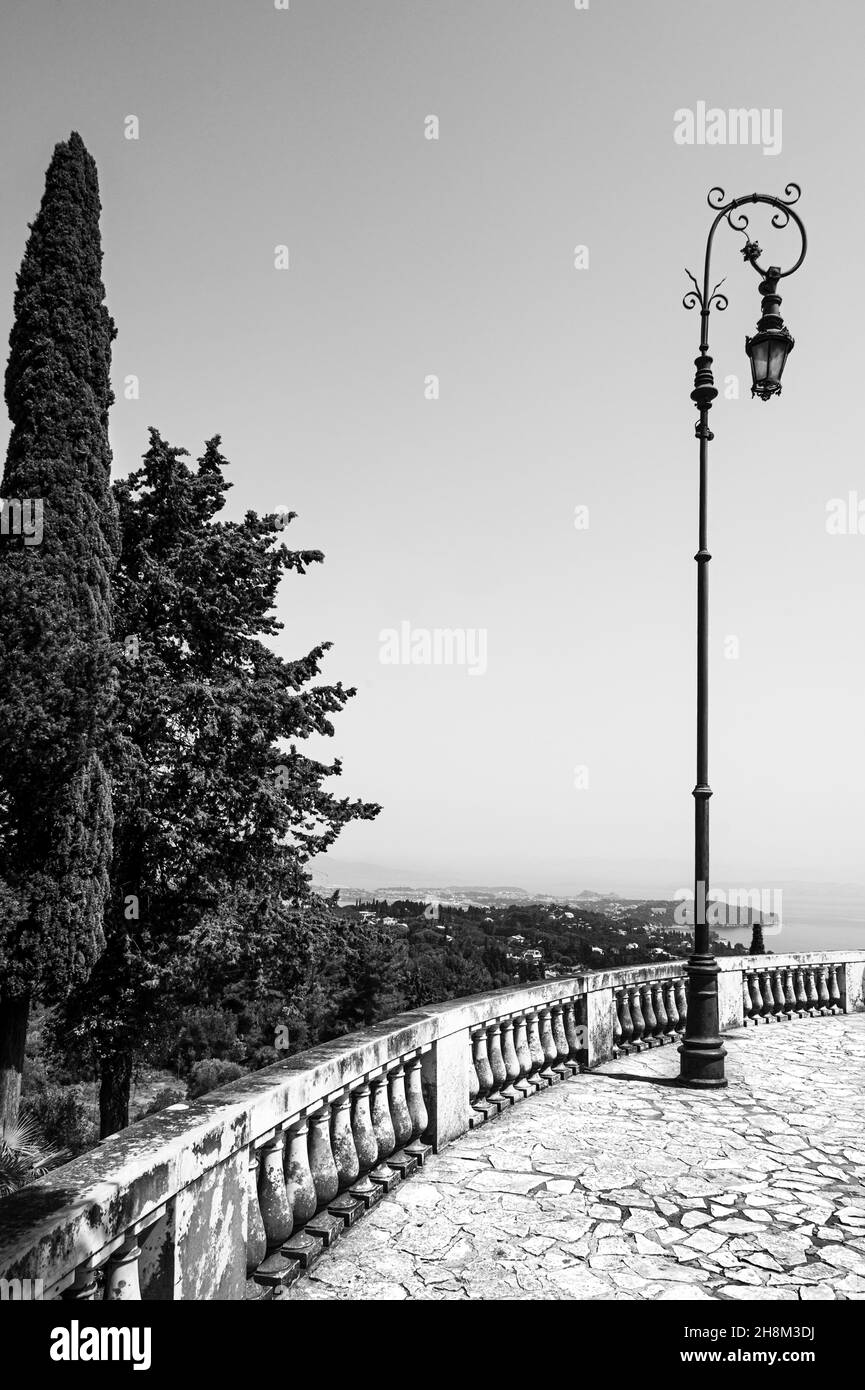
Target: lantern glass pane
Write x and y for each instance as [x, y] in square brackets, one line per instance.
[759, 359]
[777, 358]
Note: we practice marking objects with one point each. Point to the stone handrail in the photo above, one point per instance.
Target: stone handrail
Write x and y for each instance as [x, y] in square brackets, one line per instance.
[240, 1190]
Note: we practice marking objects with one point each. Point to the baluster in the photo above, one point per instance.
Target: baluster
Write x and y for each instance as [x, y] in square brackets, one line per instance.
[299, 1184]
[618, 1036]
[256, 1239]
[85, 1289]
[383, 1125]
[672, 1011]
[301, 1194]
[524, 1056]
[834, 991]
[366, 1145]
[649, 1018]
[822, 991]
[121, 1273]
[537, 1078]
[681, 1003]
[484, 1073]
[747, 1003]
[399, 1107]
[627, 1020]
[766, 992]
[780, 1002]
[273, 1200]
[813, 998]
[572, 1037]
[637, 1016]
[769, 992]
[418, 1112]
[789, 993]
[344, 1151]
[801, 993]
[757, 995]
[399, 1159]
[660, 1012]
[346, 1207]
[561, 1067]
[509, 1057]
[324, 1175]
[476, 1117]
[551, 1054]
[497, 1066]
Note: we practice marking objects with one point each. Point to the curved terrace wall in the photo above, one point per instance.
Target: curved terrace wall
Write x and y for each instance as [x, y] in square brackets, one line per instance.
[240, 1190]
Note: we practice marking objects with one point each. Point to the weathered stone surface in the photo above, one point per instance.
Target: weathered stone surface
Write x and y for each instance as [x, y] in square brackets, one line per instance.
[600, 1188]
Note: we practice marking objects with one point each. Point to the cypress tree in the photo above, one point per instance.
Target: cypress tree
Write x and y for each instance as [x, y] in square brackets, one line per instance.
[56, 676]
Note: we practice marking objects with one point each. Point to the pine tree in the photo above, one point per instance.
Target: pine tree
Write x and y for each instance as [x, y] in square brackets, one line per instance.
[215, 818]
[55, 658]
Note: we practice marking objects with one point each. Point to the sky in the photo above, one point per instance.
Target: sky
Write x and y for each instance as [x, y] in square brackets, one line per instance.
[439, 379]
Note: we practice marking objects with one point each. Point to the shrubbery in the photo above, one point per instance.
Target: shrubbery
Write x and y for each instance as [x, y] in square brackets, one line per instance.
[210, 1073]
[165, 1096]
[63, 1118]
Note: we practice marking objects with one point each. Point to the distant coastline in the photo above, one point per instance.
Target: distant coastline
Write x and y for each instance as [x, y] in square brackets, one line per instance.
[815, 916]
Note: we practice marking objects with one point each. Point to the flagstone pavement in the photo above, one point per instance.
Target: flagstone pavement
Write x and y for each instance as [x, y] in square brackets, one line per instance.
[622, 1185]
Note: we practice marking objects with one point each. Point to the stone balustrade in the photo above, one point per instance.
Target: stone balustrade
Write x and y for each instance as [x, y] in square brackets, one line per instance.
[649, 1014]
[238, 1192]
[518, 1053]
[774, 992]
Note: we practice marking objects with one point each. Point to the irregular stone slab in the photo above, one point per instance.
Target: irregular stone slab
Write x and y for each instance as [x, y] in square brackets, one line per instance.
[692, 1219]
[763, 1294]
[707, 1241]
[614, 1245]
[642, 1221]
[560, 1185]
[733, 1225]
[843, 1257]
[580, 1283]
[495, 1181]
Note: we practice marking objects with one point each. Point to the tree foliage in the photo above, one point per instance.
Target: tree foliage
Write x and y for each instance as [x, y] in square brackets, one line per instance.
[55, 668]
[55, 797]
[217, 808]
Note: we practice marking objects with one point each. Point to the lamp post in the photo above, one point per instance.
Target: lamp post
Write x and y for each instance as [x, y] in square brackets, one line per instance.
[702, 1053]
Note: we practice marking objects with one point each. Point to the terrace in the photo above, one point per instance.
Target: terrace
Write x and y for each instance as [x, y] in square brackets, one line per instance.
[530, 1143]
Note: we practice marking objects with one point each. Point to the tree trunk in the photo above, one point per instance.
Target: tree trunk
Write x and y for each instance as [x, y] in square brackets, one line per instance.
[14, 1014]
[114, 1092]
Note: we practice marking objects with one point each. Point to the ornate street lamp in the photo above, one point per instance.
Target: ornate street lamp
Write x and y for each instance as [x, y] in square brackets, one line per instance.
[702, 1053]
[771, 344]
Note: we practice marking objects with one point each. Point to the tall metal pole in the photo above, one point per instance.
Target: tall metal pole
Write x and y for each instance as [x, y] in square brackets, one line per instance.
[702, 1052]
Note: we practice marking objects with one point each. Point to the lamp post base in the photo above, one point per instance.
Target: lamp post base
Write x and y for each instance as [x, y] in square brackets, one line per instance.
[702, 1052]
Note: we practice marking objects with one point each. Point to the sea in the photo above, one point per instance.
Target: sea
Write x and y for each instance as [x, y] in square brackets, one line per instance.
[814, 917]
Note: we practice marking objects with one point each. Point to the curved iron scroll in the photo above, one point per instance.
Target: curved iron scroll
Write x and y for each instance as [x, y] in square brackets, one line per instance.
[730, 212]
